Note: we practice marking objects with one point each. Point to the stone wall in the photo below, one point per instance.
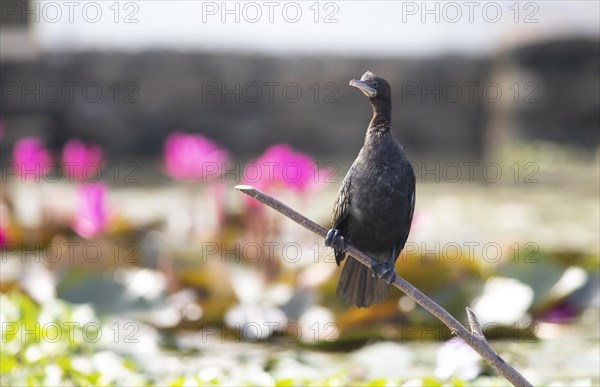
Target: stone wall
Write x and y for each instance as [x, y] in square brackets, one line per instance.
[249, 102]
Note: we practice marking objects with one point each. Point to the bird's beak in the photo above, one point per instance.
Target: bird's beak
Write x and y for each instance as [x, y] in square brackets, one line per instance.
[362, 86]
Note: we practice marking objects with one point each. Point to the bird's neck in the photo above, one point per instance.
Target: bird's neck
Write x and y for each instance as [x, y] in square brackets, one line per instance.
[382, 116]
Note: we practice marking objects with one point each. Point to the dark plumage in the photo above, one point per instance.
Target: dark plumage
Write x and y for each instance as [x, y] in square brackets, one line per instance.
[375, 203]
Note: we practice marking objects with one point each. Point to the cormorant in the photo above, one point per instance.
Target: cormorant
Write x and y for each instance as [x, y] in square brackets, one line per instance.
[375, 203]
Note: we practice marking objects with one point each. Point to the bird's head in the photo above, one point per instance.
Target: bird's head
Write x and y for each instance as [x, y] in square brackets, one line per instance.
[373, 86]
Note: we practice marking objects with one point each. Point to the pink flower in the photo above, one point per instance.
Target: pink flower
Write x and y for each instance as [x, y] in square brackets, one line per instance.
[92, 213]
[31, 158]
[3, 236]
[281, 167]
[560, 314]
[193, 157]
[80, 161]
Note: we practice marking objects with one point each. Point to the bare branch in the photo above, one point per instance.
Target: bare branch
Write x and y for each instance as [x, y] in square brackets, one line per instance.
[476, 339]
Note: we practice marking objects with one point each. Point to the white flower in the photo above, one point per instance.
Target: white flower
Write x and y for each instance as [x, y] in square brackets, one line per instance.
[456, 358]
[504, 301]
[255, 321]
[318, 324]
[39, 283]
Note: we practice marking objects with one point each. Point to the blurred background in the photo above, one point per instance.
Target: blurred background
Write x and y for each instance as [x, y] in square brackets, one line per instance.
[128, 258]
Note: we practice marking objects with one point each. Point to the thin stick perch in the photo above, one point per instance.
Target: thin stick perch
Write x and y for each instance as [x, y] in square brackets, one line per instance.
[475, 338]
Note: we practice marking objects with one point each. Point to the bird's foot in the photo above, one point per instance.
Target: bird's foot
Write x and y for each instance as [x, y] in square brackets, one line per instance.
[336, 241]
[385, 271]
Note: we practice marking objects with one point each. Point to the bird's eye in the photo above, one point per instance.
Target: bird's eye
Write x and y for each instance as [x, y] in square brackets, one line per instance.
[374, 84]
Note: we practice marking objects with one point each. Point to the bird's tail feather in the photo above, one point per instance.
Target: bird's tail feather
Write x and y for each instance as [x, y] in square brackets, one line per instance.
[359, 287]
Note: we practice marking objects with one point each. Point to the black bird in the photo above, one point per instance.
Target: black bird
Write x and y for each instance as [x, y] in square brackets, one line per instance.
[375, 204]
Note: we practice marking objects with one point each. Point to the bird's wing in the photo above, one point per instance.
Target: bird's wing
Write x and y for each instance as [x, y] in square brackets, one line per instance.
[342, 202]
[411, 196]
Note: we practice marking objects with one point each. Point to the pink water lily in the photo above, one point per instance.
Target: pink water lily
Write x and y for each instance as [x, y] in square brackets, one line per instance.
[281, 166]
[82, 162]
[193, 157]
[31, 158]
[3, 236]
[91, 218]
